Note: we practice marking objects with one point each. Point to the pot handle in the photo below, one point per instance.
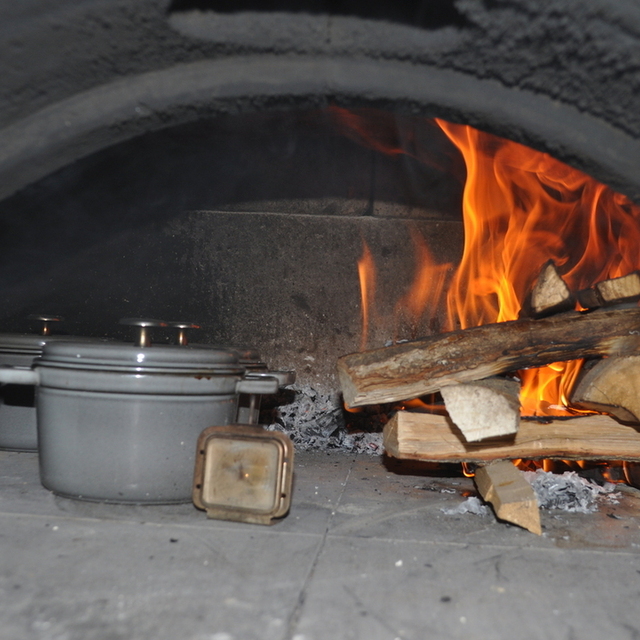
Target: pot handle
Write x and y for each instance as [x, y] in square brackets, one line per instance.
[17, 375]
[257, 384]
[285, 378]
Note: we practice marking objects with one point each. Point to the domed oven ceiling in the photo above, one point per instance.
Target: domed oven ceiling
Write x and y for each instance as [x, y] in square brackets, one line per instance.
[186, 161]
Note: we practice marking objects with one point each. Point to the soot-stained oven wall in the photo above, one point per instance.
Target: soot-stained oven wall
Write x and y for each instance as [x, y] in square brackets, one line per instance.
[250, 225]
[148, 167]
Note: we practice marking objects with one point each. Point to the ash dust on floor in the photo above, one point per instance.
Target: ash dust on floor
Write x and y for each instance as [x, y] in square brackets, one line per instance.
[614, 526]
[366, 552]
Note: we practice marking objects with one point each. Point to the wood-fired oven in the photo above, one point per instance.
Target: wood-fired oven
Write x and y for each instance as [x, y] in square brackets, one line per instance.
[189, 159]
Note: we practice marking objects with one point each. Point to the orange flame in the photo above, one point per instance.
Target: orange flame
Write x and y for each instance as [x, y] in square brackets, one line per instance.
[546, 390]
[521, 208]
[426, 292]
[367, 275]
[423, 298]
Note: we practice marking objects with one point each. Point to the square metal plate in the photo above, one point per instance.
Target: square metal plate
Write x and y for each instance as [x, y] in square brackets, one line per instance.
[243, 473]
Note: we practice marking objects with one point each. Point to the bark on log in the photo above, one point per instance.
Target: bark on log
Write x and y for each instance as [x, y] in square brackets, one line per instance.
[415, 368]
[512, 497]
[611, 386]
[484, 409]
[549, 294]
[432, 438]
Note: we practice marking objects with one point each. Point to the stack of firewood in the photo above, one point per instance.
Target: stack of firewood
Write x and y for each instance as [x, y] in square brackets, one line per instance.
[468, 368]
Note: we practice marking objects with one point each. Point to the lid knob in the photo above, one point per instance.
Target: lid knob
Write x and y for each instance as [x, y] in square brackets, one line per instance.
[181, 331]
[144, 325]
[45, 328]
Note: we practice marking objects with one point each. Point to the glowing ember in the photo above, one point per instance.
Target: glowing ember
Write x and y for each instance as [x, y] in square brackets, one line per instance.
[520, 208]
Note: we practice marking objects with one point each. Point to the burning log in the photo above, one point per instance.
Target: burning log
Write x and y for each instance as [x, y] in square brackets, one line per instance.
[589, 299]
[610, 292]
[433, 438]
[623, 289]
[512, 497]
[484, 409]
[611, 386]
[415, 368]
[549, 294]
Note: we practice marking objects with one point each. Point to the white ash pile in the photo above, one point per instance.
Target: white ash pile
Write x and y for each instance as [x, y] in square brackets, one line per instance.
[472, 504]
[570, 491]
[316, 420]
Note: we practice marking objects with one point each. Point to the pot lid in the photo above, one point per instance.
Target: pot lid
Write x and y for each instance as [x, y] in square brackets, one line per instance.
[32, 343]
[248, 356]
[110, 355]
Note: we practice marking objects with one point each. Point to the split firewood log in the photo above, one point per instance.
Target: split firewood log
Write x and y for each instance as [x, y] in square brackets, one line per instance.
[550, 294]
[485, 408]
[415, 368]
[589, 299]
[610, 292]
[433, 438]
[623, 289]
[512, 497]
[611, 386]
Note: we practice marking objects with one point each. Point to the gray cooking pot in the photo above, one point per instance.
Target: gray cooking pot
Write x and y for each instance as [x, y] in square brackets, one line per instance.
[120, 423]
[18, 430]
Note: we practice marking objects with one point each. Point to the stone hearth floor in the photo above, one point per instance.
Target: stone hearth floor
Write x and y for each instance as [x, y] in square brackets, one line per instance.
[365, 553]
